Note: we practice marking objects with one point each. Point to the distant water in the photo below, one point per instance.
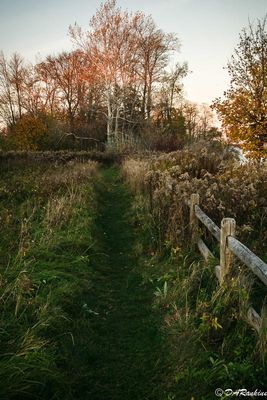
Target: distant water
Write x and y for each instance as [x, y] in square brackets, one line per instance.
[242, 159]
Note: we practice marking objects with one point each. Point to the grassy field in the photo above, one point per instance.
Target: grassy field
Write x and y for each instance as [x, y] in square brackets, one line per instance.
[93, 306]
[76, 320]
[47, 219]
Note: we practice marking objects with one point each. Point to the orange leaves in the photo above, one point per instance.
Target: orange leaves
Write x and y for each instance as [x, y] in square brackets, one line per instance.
[28, 133]
[243, 110]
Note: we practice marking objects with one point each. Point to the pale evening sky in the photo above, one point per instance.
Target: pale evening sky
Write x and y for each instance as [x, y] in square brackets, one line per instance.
[208, 31]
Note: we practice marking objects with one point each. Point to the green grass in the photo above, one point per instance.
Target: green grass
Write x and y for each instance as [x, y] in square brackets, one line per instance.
[128, 351]
[91, 309]
[77, 321]
[45, 276]
[209, 345]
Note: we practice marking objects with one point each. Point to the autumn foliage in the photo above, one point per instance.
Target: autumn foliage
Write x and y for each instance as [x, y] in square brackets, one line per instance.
[243, 110]
[109, 88]
[117, 89]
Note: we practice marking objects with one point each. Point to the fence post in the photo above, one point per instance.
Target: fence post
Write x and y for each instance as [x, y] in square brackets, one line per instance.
[227, 229]
[194, 200]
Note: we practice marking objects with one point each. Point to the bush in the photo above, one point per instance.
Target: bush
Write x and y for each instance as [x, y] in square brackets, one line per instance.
[226, 189]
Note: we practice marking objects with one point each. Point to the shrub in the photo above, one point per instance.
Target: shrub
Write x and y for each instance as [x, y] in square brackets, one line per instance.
[226, 189]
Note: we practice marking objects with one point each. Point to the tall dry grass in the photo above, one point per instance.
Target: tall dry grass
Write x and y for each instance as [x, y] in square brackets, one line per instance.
[48, 213]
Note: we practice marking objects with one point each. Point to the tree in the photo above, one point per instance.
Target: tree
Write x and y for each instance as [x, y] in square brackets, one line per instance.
[12, 77]
[110, 47]
[206, 122]
[17, 78]
[171, 92]
[7, 103]
[41, 91]
[191, 114]
[107, 88]
[154, 48]
[243, 111]
[28, 133]
[13, 74]
[66, 72]
[128, 55]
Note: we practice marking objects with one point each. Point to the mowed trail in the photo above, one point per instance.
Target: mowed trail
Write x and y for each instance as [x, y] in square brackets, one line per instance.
[123, 355]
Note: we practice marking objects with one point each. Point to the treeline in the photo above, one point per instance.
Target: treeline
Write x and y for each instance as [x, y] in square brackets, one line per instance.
[116, 86]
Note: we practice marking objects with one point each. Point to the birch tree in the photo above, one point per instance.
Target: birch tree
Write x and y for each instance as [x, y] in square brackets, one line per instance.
[110, 46]
[128, 54]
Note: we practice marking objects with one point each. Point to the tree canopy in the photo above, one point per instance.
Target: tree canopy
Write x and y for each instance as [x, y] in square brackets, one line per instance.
[243, 111]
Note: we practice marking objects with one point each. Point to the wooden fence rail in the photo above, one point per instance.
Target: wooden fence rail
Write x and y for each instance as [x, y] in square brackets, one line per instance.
[229, 247]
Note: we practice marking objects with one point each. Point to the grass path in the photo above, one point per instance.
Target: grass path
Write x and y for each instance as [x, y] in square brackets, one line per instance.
[124, 351]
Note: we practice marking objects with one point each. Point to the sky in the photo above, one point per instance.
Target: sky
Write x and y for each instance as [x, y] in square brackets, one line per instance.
[208, 31]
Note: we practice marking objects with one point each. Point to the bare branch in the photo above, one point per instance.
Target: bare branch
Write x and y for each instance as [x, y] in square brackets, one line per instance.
[68, 134]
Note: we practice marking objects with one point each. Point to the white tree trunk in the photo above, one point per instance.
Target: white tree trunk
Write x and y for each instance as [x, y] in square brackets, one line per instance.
[109, 120]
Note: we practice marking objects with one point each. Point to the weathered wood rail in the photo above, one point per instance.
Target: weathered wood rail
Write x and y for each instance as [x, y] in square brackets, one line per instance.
[229, 247]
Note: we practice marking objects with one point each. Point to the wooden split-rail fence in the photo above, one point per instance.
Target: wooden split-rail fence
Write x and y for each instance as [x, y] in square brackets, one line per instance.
[229, 247]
